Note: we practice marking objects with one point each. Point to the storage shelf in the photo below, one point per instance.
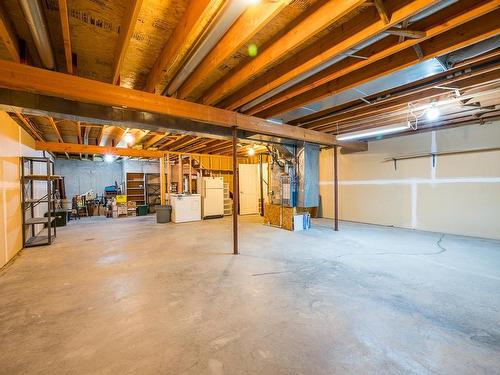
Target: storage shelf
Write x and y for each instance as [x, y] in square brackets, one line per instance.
[41, 200]
[39, 177]
[39, 241]
[38, 220]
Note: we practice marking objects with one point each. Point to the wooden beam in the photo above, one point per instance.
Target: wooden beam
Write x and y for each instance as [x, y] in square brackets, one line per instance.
[66, 35]
[310, 91]
[99, 136]
[29, 126]
[239, 35]
[154, 140]
[360, 30]
[382, 11]
[184, 143]
[56, 129]
[73, 148]
[414, 34]
[402, 95]
[189, 29]
[320, 19]
[9, 37]
[126, 30]
[79, 131]
[35, 80]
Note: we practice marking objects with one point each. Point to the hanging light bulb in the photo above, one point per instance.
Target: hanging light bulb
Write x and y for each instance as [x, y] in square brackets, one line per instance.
[251, 151]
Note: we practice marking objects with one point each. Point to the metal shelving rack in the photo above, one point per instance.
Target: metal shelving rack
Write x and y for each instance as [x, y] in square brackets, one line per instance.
[153, 196]
[29, 201]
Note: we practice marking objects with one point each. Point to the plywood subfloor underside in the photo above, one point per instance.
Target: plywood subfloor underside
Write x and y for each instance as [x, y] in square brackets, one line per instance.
[132, 296]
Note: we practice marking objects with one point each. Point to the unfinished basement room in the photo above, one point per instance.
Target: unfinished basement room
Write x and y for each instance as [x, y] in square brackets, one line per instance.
[272, 187]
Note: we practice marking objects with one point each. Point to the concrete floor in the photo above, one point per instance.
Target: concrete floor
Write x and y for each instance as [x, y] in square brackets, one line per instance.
[131, 296]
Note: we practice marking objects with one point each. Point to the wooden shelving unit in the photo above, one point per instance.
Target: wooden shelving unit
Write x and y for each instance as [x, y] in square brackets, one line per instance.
[31, 235]
[136, 191]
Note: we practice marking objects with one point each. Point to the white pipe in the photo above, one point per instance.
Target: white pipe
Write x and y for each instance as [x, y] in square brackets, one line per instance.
[35, 19]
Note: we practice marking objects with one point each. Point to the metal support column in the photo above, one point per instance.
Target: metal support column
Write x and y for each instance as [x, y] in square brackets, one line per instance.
[261, 178]
[335, 188]
[163, 184]
[236, 191]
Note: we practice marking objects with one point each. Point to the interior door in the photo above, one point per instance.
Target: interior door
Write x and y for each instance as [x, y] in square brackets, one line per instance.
[249, 189]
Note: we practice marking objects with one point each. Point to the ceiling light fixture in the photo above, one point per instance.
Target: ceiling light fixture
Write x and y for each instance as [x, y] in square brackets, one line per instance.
[129, 138]
[432, 113]
[372, 132]
[251, 151]
[109, 158]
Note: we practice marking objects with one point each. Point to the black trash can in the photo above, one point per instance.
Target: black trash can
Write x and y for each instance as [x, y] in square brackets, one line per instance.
[163, 213]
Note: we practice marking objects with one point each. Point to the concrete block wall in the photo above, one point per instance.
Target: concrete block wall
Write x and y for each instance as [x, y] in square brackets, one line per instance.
[81, 176]
[460, 194]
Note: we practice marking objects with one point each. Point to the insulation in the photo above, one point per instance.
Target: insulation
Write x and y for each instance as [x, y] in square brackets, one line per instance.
[156, 22]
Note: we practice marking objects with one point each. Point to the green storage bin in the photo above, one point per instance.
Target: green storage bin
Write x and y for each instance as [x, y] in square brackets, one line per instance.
[142, 210]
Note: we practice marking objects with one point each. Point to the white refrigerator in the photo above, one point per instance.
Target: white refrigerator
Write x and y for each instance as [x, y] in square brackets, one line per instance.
[212, 196]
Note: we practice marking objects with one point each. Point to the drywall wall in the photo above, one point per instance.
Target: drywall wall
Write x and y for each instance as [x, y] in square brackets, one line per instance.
[457, 194]
[15, 142]
[80, 176]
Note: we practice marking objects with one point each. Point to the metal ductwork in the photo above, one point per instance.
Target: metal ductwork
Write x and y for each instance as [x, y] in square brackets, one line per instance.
[453, 58]
[221, 24]
[35, 18]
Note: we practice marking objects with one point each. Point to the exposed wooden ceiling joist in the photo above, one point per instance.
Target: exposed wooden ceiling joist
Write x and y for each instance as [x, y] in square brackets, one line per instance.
[126, 31]
[191, 26]
[30, 127]
[393, 99]
[387, 48]
[319, 20]
[63, 15]
[362, 29]
[382, 11]
[154, 140]
[8, 36]
[474, 31]
[56, 129]
[243, 30]
[25, 78]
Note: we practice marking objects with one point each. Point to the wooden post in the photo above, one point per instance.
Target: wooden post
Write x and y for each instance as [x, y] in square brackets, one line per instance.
[236, 191]
[169, 177]
[335, 188]
[163, 187]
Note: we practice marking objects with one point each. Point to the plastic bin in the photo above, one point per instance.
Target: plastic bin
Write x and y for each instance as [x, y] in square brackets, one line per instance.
[142, 210]
[163, 214]
[61, 218]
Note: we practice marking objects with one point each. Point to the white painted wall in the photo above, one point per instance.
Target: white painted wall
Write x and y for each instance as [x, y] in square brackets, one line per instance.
[460, 195]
